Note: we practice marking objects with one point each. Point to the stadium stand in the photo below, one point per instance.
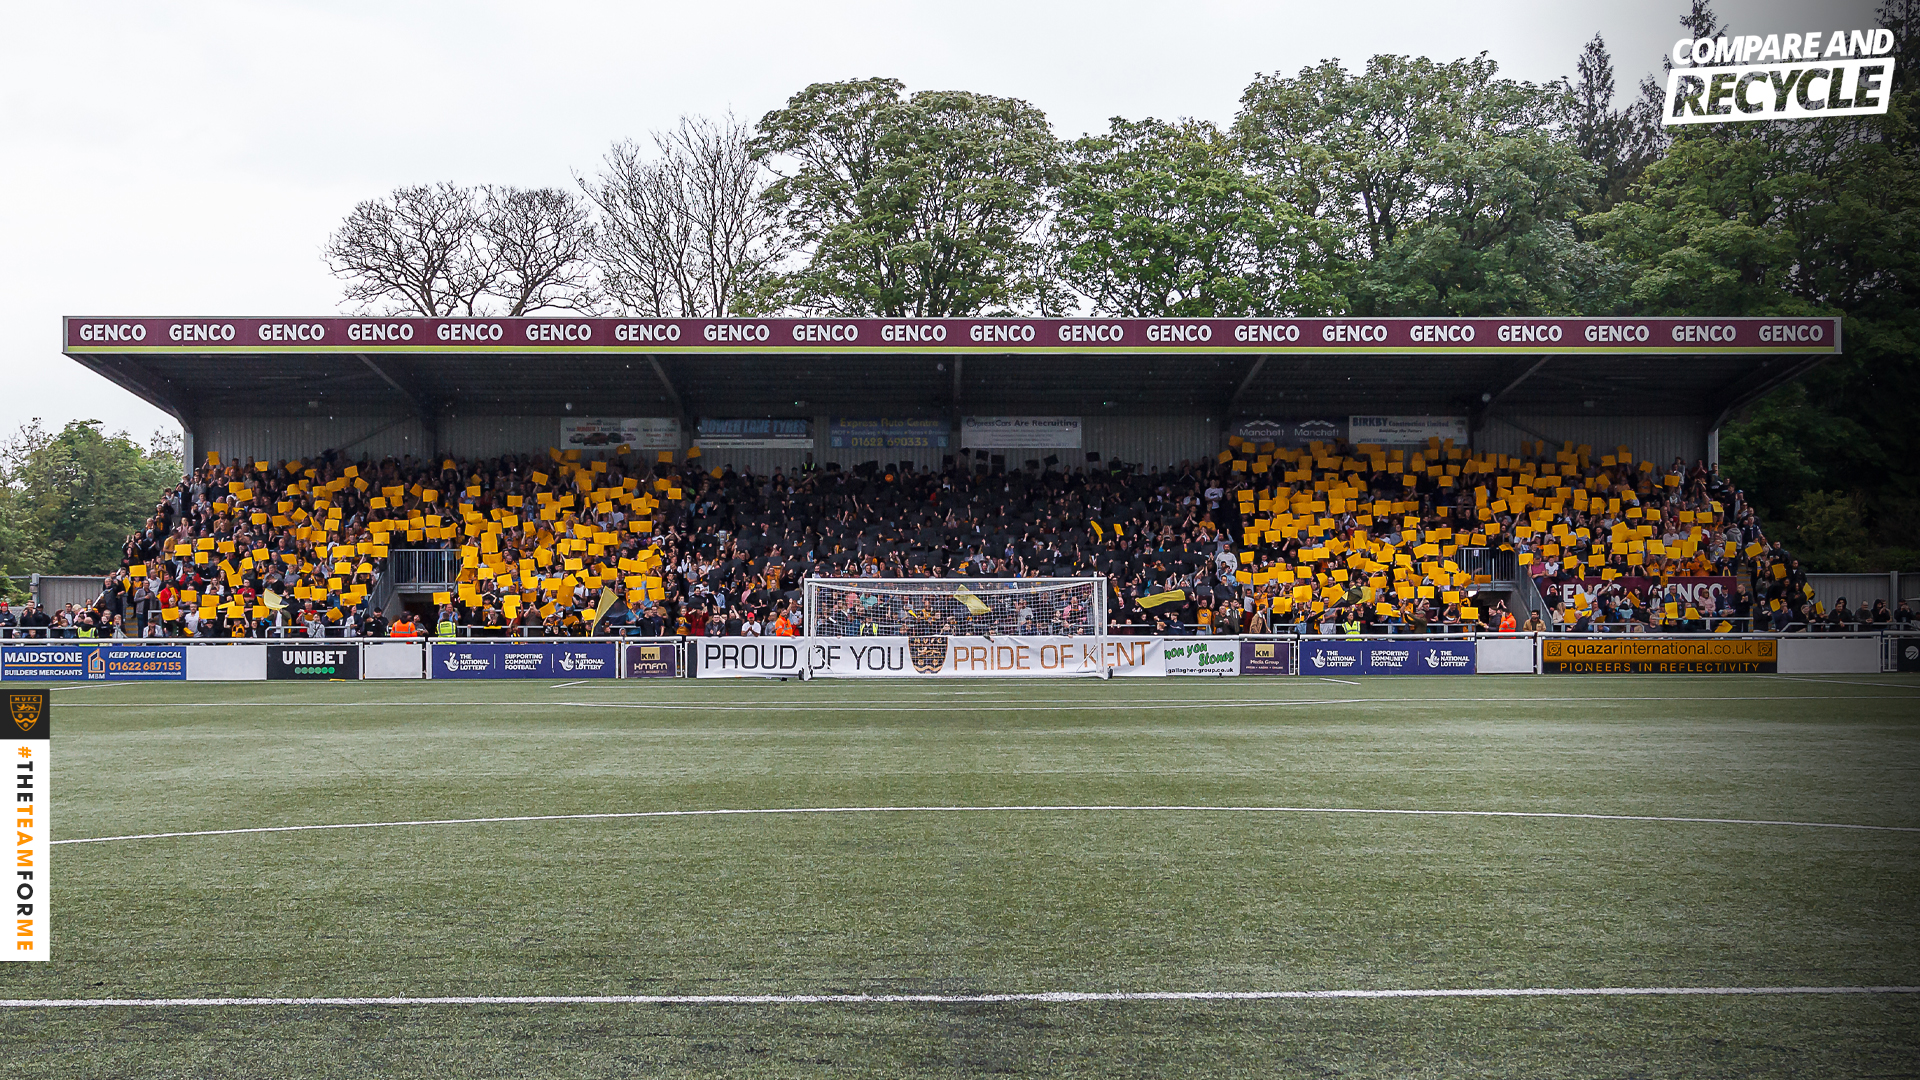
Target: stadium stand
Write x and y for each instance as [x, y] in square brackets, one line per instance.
[1327, 538]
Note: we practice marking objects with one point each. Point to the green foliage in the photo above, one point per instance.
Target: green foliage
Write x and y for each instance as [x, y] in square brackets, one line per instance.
[1453, 188]
[69, 500]
[1620, 143]
[1801, 217]
[1161, 219]
[925, 206]
[1828, 535]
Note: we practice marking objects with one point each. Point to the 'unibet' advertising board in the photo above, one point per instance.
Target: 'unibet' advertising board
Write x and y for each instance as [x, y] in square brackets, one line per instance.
[315, 661]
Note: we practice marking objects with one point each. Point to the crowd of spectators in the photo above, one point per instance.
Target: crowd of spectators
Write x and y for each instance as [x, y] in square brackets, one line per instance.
[1261, 539]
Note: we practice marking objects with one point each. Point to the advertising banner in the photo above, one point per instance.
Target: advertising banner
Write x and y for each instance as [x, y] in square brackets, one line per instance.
[552, 335]
[45, 660]
[1449, 657]
[1201, 656]
[1018, 432]
[639, 433]
[651, 660]
[1639, 654]
[314, 661]
[97, 659]
[849, 433]
[29, 724]
[1407, 656]
[1291, 434]
[522, 660]
[1702, 593]
[114, 661]
[1406, 430]
[741, 658]
[1266, 658]
[1906, 653]
[931, 656]
[750, 434]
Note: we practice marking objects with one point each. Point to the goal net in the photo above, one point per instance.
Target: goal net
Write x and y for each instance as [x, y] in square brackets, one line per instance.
[988, 607]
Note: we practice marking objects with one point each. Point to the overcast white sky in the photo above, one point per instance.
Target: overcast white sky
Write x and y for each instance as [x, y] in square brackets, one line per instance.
[191, 157]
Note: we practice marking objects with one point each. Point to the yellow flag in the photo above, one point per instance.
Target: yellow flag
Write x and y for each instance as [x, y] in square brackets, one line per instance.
[973, 603]
[1177, 596]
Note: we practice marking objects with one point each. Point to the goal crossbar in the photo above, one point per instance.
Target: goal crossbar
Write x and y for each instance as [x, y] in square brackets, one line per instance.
[856, 607]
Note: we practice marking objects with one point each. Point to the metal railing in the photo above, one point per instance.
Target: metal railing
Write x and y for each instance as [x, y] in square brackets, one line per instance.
[423, 569]
[1495, 564]
[380, 594]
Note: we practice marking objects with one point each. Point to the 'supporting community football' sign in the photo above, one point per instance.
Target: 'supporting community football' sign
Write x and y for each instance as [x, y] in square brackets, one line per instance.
[358, 336]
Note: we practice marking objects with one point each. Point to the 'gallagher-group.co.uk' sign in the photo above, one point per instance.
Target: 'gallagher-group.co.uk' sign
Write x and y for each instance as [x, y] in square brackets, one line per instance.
[1779, 77]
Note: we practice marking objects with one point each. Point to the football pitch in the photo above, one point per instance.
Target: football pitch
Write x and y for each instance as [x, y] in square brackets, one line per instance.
[1045, 879]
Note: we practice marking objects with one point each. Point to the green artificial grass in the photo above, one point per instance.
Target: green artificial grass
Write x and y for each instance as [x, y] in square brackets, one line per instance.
[985, 901]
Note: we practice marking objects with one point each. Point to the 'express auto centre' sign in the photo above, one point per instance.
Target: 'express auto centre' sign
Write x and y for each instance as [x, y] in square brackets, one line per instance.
[85, 335]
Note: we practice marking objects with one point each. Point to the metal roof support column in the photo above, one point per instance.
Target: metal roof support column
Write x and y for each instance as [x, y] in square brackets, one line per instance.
[1479, 414]
[673, 395]
[428, 420]
[1240, 391]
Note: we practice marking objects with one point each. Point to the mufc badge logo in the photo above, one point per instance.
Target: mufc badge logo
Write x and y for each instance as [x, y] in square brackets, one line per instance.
[929, 654]
[26, 709]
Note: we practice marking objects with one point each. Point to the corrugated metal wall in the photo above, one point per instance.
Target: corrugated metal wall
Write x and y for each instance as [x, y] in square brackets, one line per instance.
[1151, 440]
[1653, 438]
[1858, 589]
[297, 437]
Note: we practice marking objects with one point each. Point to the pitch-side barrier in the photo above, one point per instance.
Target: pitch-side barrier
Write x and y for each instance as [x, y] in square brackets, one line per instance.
[567, 659]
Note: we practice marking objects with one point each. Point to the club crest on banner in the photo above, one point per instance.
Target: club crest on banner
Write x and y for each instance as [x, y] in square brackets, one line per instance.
[929, 654]
[26, 709]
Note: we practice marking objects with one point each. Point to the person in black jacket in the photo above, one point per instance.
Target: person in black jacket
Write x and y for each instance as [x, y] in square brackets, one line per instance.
[35, 622]
[8, 620]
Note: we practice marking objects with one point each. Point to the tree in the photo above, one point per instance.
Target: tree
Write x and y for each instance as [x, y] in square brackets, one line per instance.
[1801, 217]
[442, 249]
[70, 500]
[1161, 219]
[928, 206]
[538, 242]
[1453, 188]
[1620, 143]
[686, 232]
[416, 252]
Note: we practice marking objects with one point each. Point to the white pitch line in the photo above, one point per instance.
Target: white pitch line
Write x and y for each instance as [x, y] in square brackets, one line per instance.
[1056, 997]
[1817, 681]
[1088, 808]
[1342, 682]
[564, 685]
[710, 705]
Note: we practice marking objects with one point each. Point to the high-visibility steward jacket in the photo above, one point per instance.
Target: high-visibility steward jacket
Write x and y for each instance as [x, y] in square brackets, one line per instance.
[444, 629]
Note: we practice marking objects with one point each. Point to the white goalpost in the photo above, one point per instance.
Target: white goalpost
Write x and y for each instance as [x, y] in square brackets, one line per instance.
[956, 607]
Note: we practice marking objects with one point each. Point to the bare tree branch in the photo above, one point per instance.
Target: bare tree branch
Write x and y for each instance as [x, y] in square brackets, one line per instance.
[685, 232]
[539, 242]
[442, 249]
[416, 252]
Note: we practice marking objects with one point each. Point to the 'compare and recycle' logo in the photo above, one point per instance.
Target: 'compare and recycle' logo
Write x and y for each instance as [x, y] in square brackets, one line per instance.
[1805, 76]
